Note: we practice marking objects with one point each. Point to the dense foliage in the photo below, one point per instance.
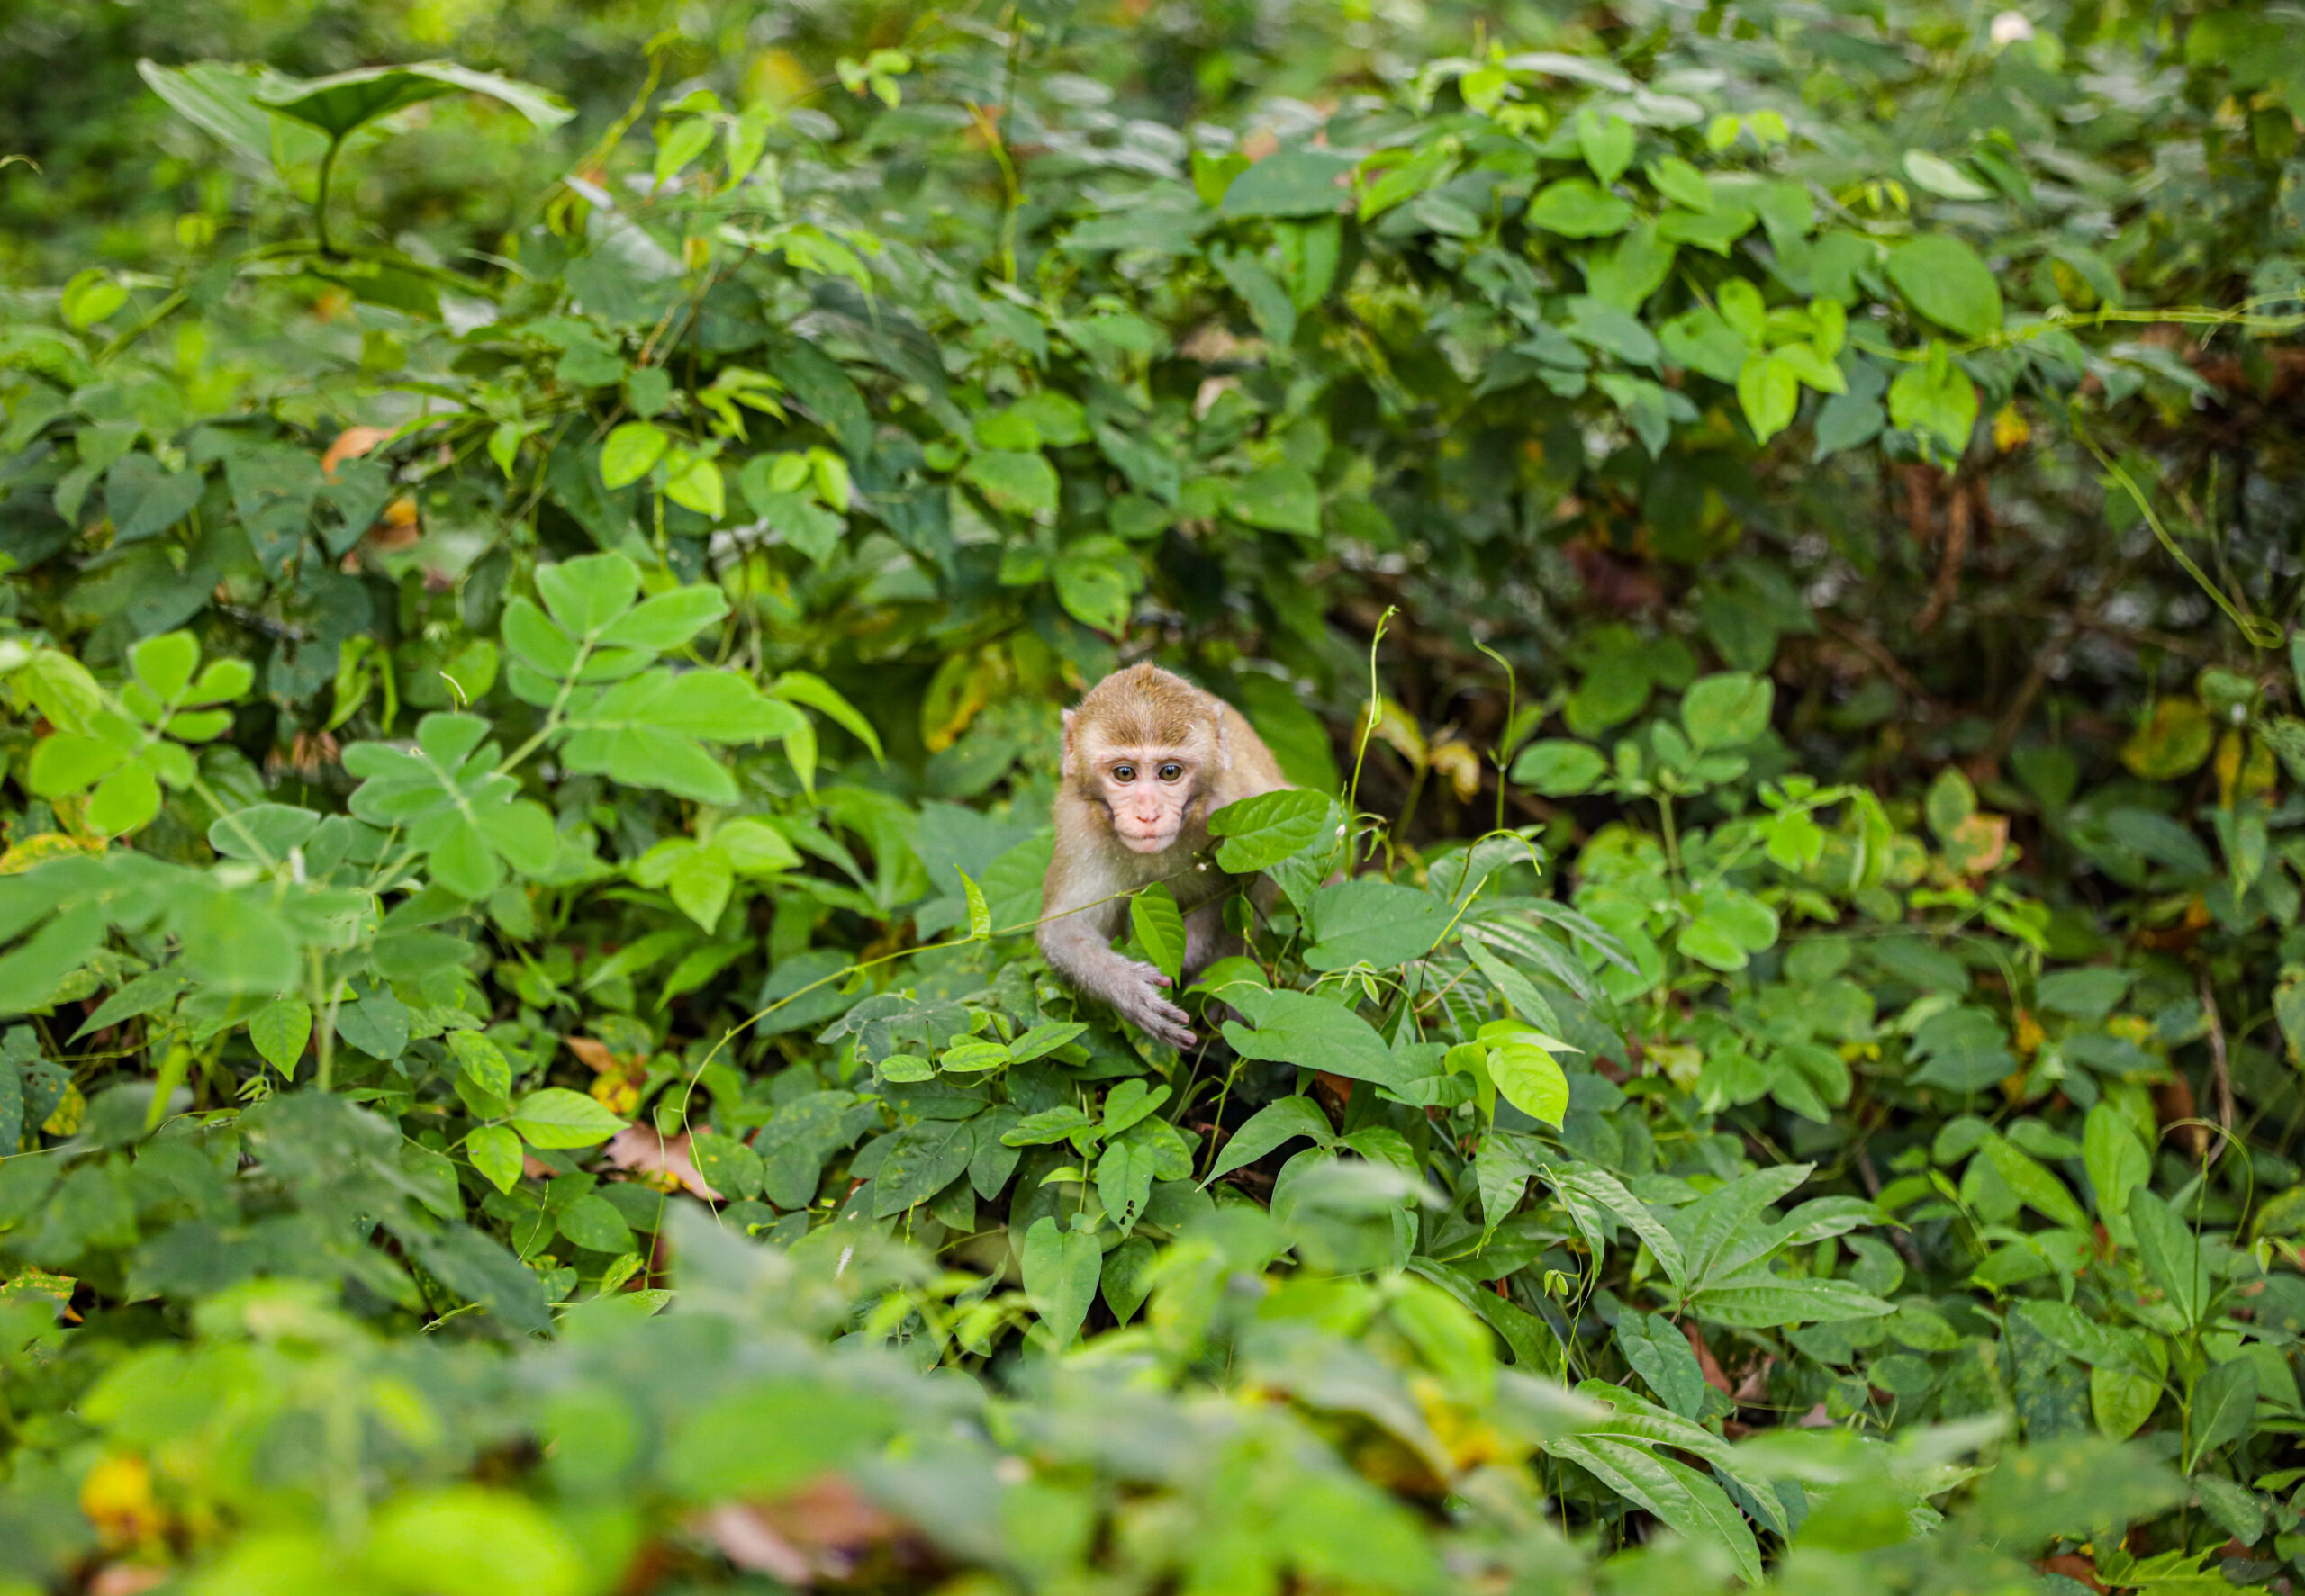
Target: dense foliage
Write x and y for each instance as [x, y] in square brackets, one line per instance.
[532, 641]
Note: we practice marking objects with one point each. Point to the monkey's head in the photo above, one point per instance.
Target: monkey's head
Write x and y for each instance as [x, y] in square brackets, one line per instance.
[1144, 745]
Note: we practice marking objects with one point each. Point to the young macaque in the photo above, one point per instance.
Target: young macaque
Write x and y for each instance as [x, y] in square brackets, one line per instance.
[1148, 757]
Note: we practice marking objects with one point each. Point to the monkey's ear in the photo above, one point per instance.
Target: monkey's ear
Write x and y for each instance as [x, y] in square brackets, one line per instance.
[1066, 762]
[1224, 748]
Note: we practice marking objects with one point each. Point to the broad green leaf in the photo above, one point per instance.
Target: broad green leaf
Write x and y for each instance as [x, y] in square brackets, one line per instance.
[224, 98]
[1605, 140]
[1274, 1125]
[979, 912]
[631, 451]
[2223, 1399]
[1258, 833]
[1159, 927]
[1659, 1354]
[1943, 279]
[1936, 399]
[1768, 391]
[2172, 1257]
[2118, 1164]
[483, 1061]
[1279, 499]
[337, 105]
[1061, 1269]
[2121, 1402]
[495, 1152]
[555, 1117]
[665, 621]
[1020, 482]
[591, 1222]
[2035, 1186]
[1299, 180]
[494, 1540]
[1316, 1032]
[1760, 1302]
[1559, 768]
[1726, 712]
[1367, 921]
[280, 1031]
[1578, 208]
[1692, 1504]
[1528, 1077]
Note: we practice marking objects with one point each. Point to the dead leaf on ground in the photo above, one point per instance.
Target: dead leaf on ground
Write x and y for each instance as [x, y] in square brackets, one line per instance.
[820, 1532]
[351, 444]
[642, 1149]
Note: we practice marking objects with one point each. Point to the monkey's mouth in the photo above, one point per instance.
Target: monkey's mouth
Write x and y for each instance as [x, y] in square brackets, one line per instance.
[1150, 843]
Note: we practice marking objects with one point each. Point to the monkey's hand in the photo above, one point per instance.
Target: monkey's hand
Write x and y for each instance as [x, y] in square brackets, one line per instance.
[1140, 1000]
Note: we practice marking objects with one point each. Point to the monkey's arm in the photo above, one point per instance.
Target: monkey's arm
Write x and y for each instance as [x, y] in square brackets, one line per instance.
[1079, 947]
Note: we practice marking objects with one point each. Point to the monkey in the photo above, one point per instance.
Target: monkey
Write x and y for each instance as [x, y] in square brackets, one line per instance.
[1147, 758]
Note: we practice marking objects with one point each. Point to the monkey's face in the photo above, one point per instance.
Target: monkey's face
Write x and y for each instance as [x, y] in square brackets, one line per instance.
[1149, 792]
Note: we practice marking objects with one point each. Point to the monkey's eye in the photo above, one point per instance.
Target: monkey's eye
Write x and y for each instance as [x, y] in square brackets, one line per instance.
[1171, 770]
[1124, 772]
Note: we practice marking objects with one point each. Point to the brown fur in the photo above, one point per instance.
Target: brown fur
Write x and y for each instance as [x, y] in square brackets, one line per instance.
[1143, 716]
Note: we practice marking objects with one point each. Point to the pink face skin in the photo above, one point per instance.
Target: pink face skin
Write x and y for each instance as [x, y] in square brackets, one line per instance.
[1148, 791]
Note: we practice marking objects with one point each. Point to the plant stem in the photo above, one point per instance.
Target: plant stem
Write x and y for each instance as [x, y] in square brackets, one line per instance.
[319, 204]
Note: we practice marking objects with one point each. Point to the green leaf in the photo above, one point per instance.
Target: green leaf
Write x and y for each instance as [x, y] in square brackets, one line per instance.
[1367, 921]
[1125, 1175]
[2035, 1186]
[1578, 208]
[979, 912]
[1298, 1028]
[495, 1152]
[1768, 391]
[1659, 1354]
[1937, 399]
[1680, 182]
[631, 452]
[474, 1540]
[222, 98]
[1528, 1077]
[91, 295]
[2171, 1256]
[555, 1117]
[1727, 710]
[483, 1061]
[729, 1166]
[1689, 1502]
[1761, 1301]
[1159, 927]
[1060, 1270]
[593, 1222]
[339, 104]
[2118, 1163]
[280, 1031]
[665, 621]
[1944, 280]
[1300, 181]
[1258, 833]
[2223, 1399]
[1279, 499]
[2121, 1402]
[1021, 481]
[1605, 141]
[1276, 1124]
[1559, 768]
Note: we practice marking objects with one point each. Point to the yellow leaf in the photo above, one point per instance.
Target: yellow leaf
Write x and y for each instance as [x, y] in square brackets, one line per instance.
[2172, 742]
[2010, 430]
[1457, 761]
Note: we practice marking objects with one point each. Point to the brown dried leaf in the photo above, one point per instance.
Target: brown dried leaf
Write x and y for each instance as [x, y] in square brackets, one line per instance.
[642, 1149]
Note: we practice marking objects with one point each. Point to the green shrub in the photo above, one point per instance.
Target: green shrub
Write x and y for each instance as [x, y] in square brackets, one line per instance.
[524, 1065]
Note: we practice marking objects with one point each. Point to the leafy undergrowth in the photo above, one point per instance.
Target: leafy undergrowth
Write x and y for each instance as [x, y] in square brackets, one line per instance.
[525, 1068]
